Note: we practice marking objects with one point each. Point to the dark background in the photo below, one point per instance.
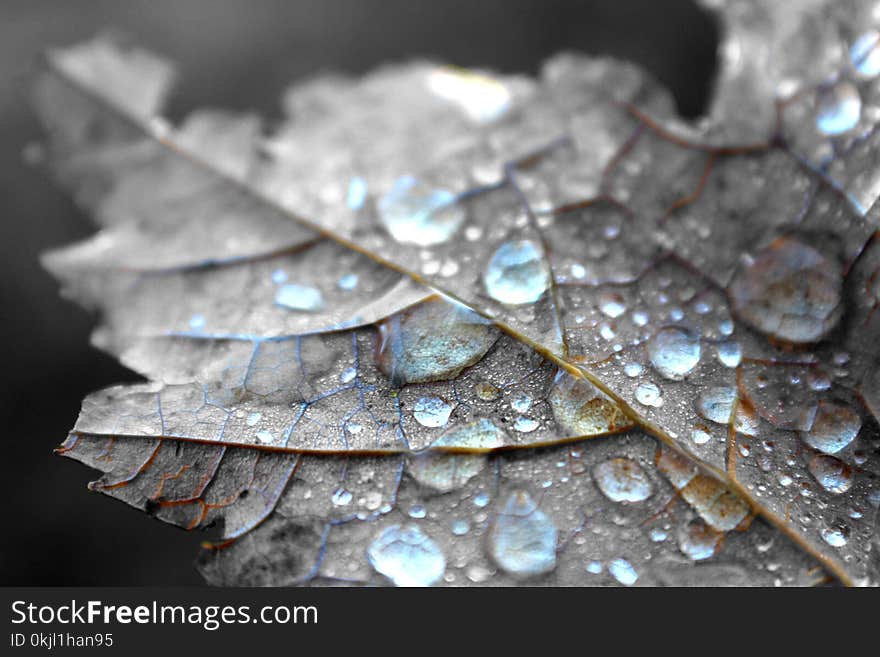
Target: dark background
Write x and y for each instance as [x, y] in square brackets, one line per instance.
[238, 54]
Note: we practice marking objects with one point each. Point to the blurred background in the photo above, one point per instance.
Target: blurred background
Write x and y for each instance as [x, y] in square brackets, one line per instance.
[238, 54]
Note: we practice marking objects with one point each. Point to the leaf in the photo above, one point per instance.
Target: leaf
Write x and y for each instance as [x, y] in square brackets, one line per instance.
[713, 282]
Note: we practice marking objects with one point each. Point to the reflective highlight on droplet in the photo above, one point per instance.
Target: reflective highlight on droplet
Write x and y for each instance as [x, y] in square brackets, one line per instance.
[299, 297]
[623, 571]
[864, 54]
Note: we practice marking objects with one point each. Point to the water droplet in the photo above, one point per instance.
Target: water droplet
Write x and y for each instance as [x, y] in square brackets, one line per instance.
[525, 424]
[699, 541]
[729, 353]
[348, 375]
[594, 567]
[864, 54]
[407, 556]
[521, 404]
[299, 297]
[265, 437]
[486, 391]
[197, 322]
[623, 571]
[522, 539]
[432, 411]
[580, 409]
[640, 318]
[517, 273]
[790, 291]
[481, 499]
[648, 393]
[348, 282]
[341, 497]
[632, 370]
[414, 213]
[417, 511]
[357, 193]
[674, 352]
[716, 404]
[700, 435]
[279, 276]
[838, 108]
[253, 419]
[482, 98]
[831, 473]
[460, 527]
[834, 427]
[835, 536]
[622, 480]
[432, 341]
[612, 304]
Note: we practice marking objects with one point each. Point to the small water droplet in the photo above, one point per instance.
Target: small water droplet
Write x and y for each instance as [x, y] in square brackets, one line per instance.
[831, 473]
[460, 527]
[407, 556]
[348, 282]
[729, 353]
[865, 54]
[612, 304]
[525, 424]
[838, 108]
[623, 571]
[253, 418]
[299, 297]
[341, 497]
[699, 542]
[357, 193]
[348, 375]
[632, 370]
[649, 394]
[265, 437]
[517, 273]
[481, 499]
[521, 404]
[716, 404]
[417, 511]
[197, 322]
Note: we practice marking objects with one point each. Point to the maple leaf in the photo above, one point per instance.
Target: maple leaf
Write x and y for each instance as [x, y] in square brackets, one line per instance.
[417, 331]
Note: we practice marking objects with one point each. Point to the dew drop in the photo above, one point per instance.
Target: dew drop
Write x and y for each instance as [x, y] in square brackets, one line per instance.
[357, 193]
[716, 404]
[835, 536]
[407, 556]
[432, 411]
[838, 108]
[525, 424]
[649, 394]
[581, 409]
[623, 571]
[517, 273]
[299, 297]
[417, 511]
[414, 213]
[835, 426]
[348, 282]
[197, 322]
[612, 304]
[674, 352]
[699, 542]
[831, 473]
[253, 419]
[622, 480]
[460, 527]
[729, 353]
[341, 497]
[632, 370]
[481, 499]
[521, 404]
[265, 437]
[522, 540]
[865, 54]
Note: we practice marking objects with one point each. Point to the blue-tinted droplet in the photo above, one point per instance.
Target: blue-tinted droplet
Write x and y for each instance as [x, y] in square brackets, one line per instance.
[622, 480]
[407, 556]
[517, 273]
[865, 54]
[623, 571]
[348, 282]
[838, 108]
[522, 540]
[414, 213]
[341, 497]
[674, 352]
[357, 193]
[299, 297]
[432, 411]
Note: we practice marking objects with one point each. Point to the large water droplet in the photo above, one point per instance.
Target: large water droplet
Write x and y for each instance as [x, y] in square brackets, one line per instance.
[414, 213]
[790, 291]
[517, 273]
[838, 108]
[716, 404]
[831, 473]
[299, 297]
[432, 341]
[622, 480]
[865, 54]
[674, 352]
[522, 539]
[836, 536]
[406, 556]
[834, 427]
[432, 411]
[581, 409]
[445, 472]
[623, 571]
